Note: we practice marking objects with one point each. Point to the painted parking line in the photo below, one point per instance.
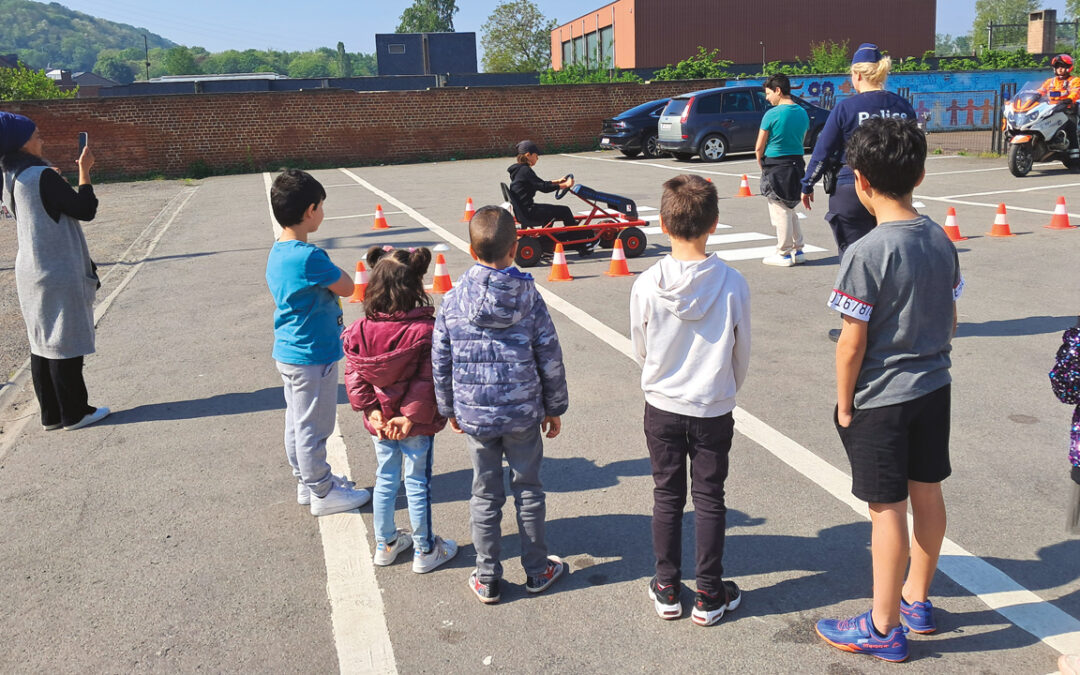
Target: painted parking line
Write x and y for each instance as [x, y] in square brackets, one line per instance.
[1016, 190]
[667, 167]
[994, 205]
[1026, 610]
[361, 215]
[357, 616]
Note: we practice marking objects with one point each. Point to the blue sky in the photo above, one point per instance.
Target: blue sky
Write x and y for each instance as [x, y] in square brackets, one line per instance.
[294, 26]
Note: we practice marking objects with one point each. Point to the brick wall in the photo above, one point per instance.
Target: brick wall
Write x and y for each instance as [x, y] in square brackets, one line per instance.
[182, 135]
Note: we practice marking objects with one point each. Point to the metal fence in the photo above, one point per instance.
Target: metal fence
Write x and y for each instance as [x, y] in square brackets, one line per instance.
[961, 121]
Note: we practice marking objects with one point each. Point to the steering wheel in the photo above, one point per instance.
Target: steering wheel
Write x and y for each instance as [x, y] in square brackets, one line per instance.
[561, 192]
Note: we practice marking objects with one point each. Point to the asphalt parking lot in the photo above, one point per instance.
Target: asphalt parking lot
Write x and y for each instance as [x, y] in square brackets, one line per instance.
[167, 539]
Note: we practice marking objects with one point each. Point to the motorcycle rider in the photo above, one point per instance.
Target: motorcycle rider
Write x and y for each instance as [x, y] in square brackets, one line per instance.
[1064, 88]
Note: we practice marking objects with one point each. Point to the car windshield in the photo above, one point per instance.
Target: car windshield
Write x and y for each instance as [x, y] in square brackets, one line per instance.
[675, 106]
[643, 109]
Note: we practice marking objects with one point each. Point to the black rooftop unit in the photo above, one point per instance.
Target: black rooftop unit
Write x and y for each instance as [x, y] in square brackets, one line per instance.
[425, 53]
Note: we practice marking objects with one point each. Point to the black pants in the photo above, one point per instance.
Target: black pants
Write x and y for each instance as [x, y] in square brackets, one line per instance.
[848, 218]
[60, 389]
[706, 441]
[542, 214]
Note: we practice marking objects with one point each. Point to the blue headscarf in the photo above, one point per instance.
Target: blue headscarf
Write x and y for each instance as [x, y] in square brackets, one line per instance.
[15, 131]
[867, 52]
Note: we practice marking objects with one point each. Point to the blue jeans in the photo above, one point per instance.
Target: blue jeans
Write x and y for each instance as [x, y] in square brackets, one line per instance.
[416, 452]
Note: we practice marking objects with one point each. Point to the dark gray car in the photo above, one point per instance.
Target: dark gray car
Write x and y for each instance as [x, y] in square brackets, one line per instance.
[714, 123]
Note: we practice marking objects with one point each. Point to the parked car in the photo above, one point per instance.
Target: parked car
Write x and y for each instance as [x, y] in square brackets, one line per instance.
[634, 131]
[713, 123]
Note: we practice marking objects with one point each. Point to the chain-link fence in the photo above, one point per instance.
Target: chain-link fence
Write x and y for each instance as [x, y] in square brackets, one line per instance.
[961, 121]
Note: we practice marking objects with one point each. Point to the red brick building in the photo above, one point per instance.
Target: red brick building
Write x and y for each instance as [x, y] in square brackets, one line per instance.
[656, 33]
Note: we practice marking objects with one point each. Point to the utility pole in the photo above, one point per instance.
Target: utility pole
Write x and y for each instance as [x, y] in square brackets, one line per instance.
[762, 43]
[146, 53]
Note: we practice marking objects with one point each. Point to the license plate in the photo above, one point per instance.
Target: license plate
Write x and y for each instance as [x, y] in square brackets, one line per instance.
[605, 141]
[665, 125]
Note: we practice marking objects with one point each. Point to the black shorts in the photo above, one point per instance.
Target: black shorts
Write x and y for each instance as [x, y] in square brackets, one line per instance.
[891, 445]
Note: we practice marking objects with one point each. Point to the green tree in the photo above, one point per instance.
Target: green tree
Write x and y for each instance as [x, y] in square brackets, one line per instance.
[1002, 11]
[579, 74]
[23, 84]
[310, 64]
[344, 61]
[180, 61]
[114, 68]
[428, 16]
[365, 64]
[516, 38]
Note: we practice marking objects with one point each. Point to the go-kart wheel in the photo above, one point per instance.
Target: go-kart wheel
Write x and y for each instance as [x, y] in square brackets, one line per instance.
[560, 193]
[607, 238]
[528, 252]
[633, 241]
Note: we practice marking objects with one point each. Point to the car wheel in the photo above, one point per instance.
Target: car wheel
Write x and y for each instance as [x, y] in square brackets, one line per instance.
[629, 153]
[649, 147]
[682, 156]
[528, 252]
[713, 149]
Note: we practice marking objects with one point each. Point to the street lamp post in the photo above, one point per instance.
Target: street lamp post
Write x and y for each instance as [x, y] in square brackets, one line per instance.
[762, 43]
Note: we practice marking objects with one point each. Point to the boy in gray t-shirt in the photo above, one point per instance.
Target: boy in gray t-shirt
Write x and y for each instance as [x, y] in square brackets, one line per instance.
[897, 291]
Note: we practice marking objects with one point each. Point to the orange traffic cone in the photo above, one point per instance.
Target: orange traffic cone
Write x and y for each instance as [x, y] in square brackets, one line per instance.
[469, 211]
[951, 228]
[380, 219]
[442, 282]
[1060, 219]
[559, 270]
[1001, 224]
[744, 188]
[359, 283]
[618, 266]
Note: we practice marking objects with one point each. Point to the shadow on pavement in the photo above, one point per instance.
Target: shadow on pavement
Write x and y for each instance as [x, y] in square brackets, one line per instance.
[235, 403]
[1031, 325]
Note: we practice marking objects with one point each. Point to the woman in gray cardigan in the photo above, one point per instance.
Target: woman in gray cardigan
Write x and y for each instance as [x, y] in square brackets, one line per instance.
[54, 276]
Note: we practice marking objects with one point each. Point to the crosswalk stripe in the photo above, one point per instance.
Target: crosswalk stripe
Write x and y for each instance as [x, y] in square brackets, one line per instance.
[734, 254]
[736, 237]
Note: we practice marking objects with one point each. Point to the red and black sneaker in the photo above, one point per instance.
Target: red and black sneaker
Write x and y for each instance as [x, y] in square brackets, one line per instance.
[665, 599]
[487, 593]
[539, 583]
[708, 608]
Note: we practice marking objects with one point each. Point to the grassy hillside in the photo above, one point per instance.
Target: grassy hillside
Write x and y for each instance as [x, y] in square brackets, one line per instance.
[53, 36]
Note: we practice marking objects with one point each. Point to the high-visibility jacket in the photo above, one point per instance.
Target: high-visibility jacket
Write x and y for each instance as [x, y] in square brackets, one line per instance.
[1059, 89]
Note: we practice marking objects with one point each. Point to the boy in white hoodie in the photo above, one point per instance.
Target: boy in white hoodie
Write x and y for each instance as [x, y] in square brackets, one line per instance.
[690, 327]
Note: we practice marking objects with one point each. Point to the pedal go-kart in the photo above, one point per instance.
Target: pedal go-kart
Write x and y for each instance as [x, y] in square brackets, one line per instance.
[616, 219]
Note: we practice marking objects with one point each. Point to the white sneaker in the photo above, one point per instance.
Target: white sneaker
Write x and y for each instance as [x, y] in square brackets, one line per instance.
[386, 553]
[90, 418]
[799, 258]
[339, 499]
[303, 492]
[442, 551]
[777, 260]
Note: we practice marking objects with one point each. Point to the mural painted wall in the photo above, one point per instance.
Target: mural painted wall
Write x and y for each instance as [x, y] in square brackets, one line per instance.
[947, 101]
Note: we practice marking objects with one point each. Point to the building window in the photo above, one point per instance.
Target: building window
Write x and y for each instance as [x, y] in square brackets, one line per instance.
[567, 53]
[579, 50]
[607, 46]
[396, 48]
[592, 57]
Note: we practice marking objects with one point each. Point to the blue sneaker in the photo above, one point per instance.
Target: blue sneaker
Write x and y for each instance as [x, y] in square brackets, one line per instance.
[918, 616]
[857, 635]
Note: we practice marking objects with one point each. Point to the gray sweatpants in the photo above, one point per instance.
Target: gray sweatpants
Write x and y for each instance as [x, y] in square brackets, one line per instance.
[523, 452]
[310, 413]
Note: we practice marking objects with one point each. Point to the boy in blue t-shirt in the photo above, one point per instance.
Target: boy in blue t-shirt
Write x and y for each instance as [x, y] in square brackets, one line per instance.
[307, 341]
[897, 290]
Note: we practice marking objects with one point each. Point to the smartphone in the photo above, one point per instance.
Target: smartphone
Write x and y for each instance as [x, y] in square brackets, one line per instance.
[83, 138]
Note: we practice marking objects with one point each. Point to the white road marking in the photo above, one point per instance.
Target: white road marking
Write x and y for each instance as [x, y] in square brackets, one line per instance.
[950, 173]
[997, 590]
[357, 616]
[736, 237]
[356, 607]
[361, 215]
[268, 183]
[992, 206]
[758, 252]
[1002, 192]
[678, 169]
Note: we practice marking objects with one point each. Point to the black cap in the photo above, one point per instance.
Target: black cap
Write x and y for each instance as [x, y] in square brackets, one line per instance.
[525, 147]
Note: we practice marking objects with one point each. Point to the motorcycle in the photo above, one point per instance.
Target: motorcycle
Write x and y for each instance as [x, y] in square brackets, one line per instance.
[1034, 128]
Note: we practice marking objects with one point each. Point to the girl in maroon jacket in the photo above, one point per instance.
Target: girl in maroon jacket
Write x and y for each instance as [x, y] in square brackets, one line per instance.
[388, 378]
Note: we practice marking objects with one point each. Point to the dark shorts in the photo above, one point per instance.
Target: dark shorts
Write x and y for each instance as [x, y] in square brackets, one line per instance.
[891, 445]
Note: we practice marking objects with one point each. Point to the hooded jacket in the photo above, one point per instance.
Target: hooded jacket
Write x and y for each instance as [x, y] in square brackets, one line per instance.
[690, 331]
[1065, 380]
[524, 183]
[496, 357]
[388, 366]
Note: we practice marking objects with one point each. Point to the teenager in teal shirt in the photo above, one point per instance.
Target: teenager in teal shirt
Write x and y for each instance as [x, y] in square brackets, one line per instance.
[779, 152]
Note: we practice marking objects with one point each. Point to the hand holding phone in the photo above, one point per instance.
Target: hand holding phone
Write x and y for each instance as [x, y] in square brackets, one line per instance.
[83, 138]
